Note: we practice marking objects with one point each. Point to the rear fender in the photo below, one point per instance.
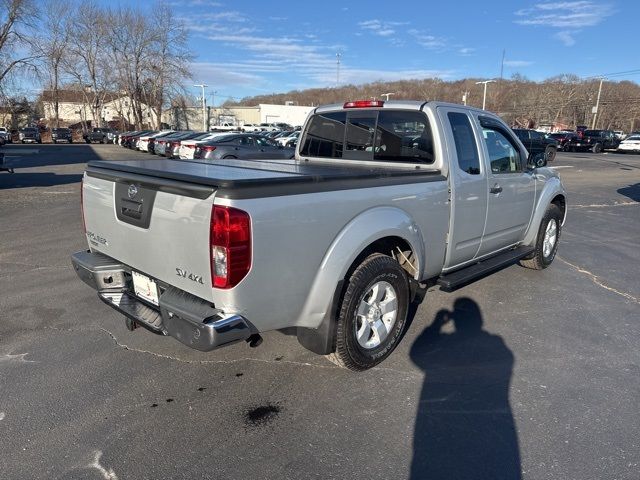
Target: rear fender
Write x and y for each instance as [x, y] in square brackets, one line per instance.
[552, 188]
[355, 237]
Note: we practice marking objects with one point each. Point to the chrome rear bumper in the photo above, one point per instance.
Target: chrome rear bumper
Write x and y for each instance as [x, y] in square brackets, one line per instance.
[189, 319]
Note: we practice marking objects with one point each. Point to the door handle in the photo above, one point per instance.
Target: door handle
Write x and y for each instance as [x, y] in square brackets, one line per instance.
[495, 189]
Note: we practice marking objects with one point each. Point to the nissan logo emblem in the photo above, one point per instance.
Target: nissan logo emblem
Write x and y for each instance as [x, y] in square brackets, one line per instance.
[132, 191]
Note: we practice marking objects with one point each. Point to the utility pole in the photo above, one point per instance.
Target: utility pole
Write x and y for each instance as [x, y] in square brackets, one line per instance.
[465, 95]
[204, 107]
[338, 55]
[386, 95]
[595, 109]
[484, 96]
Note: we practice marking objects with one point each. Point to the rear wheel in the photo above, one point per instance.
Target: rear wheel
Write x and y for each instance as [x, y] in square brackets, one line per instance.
[550, 154]
[597, 148]
[372, 314]
[229, 156]
[546, 241]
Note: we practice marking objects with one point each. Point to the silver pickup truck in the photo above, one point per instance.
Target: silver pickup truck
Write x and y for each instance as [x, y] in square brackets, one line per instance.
[382, 200]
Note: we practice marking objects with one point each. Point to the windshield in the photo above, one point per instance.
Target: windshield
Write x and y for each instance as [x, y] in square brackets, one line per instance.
[633, 137]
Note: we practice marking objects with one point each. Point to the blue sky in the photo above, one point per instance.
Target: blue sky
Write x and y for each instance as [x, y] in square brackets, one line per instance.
[246, 48]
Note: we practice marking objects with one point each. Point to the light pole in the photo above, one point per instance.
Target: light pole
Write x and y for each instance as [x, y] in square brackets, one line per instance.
[484, 96]
[386, 95]
[595, 110]
[204, 107]
[338, 55]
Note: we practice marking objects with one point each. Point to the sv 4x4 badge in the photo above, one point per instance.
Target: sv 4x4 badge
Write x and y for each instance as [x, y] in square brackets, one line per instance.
[191, 276]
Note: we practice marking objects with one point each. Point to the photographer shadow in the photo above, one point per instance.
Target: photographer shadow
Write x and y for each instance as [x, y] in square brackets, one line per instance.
[464, 425]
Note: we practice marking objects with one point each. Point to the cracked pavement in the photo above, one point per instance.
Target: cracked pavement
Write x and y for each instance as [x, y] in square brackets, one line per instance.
[547, 388]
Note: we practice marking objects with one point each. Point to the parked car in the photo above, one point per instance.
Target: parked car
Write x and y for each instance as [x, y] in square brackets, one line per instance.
[287, 138]
[250, 127]
[245, 146]
[334, 245]
[129, 140]
[146, 142]
[162, 144]
[172, 149]
[61, 135]
[188, 146]
[225, 127]
[631, 144]
[620, 134]
[563, 139]
[536, 142]
[97, 135]
[29, 135]
[5, 135]
[595, 141]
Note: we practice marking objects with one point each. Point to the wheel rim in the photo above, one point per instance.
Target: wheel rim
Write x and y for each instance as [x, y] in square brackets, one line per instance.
[376, 315]
[550, 237]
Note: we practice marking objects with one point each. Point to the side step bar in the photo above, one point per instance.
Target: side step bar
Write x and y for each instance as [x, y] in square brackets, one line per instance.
[454, 280]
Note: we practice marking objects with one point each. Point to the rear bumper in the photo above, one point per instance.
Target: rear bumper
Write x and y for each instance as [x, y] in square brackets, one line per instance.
[189, 319]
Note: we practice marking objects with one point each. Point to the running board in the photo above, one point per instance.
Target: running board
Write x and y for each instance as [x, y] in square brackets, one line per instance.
[454, 280]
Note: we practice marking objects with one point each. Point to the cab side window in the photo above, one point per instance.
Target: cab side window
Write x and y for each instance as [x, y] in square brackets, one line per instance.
[503, 154]
[466, 147]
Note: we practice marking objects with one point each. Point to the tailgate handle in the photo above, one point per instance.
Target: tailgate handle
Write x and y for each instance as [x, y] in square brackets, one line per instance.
[131, 209]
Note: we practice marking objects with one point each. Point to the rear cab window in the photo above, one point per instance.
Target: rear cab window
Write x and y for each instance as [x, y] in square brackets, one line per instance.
[402, 136]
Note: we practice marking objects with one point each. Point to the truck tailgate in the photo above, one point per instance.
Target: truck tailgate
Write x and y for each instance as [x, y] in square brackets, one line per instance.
[158, 227]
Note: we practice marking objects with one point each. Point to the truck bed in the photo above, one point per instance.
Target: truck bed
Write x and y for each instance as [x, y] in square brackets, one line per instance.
[234, 178]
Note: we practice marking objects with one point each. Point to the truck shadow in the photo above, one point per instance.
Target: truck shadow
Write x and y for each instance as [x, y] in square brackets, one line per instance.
[45, 179]
[632, 192]
[464, 426]
[40, 155]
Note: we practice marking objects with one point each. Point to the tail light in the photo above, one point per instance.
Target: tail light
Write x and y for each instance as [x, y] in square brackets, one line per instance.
[208, 148]
[364, 104]
[230, 246]
[174, 144]
[84, 226]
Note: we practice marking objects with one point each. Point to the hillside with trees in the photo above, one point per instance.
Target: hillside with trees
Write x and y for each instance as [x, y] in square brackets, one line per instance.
[562, 100]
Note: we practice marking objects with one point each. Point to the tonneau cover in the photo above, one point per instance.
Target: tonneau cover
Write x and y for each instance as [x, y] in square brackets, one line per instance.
[236, 178]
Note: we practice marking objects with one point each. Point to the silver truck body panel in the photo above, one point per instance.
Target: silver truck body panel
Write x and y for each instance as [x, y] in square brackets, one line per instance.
[304, 243]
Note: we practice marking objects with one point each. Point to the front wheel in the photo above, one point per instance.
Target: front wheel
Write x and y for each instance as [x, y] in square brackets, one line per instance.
[372, 314]
[546, 241]
[597, 148]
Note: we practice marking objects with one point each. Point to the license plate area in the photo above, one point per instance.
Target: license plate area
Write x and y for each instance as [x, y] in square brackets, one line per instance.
[145, 287]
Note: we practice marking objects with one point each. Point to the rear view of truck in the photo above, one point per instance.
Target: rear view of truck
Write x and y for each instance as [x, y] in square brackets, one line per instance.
[190, 248]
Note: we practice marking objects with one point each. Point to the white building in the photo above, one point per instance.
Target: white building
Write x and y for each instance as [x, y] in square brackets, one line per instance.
[190, 117]
[74, 106]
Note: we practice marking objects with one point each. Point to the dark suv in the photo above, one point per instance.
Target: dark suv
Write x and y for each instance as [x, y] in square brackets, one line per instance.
[101, 135]
[595, 140]
[61, 135]
[536, 142]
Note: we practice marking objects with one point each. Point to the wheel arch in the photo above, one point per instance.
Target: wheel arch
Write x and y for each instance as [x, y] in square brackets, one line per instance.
[553, 193]
[359, 239]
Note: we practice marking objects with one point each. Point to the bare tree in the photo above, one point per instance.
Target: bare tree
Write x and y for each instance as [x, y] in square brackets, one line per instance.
[16, 24]
[87, 61]
[53, 49]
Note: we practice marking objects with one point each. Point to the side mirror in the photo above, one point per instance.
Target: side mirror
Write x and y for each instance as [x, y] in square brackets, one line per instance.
[537, 160]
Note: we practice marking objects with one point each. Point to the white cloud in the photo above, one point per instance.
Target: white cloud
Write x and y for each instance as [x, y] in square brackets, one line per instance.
[566, 37]
[466, 51]
[430, 42]
[580, 14]
[380, 27]
[517, 63]
[356, 75]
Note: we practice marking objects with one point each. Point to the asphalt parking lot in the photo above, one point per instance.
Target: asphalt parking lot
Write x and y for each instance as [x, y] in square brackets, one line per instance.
[536, 376]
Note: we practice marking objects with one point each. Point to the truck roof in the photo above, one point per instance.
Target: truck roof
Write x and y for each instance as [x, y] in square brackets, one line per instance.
[400, 104]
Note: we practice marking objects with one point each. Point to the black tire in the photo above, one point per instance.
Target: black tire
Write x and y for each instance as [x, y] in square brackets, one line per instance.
[348, 351]
[597, 148]
[228, 156]
[538, 260]
[550, 154]
[23, 142]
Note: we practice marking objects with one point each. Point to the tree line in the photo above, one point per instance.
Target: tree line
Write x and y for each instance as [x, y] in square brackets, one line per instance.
[95, 49]
[562, 100]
